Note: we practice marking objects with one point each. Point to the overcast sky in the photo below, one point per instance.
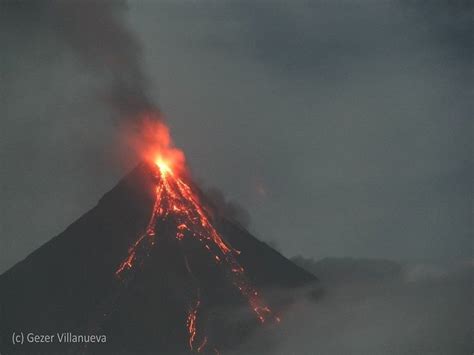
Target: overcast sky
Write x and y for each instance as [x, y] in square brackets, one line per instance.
[342, 127]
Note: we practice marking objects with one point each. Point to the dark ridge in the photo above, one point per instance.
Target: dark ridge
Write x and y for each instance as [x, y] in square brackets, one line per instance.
[69, 283]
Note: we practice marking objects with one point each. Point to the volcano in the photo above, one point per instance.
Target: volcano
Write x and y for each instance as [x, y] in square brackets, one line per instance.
[156, 269]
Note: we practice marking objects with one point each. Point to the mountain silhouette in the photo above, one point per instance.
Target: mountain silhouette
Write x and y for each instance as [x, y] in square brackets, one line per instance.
[71, 284]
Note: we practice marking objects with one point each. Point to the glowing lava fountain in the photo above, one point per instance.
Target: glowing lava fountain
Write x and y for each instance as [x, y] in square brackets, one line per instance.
[174, 198]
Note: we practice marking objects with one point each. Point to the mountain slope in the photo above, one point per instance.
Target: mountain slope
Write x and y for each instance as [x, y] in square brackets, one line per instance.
[70, 285]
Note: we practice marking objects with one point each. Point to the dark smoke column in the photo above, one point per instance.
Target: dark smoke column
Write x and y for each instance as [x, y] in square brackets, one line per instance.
[98, 35]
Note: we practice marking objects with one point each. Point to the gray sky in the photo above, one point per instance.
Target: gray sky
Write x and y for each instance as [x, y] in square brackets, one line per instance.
[341, 126]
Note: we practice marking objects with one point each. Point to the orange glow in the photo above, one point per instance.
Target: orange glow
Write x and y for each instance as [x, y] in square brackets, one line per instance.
[175, 200]
[163, 165]
[152, 142]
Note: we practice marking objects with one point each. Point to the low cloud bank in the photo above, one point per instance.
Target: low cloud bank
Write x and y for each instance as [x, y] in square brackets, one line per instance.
[378, 307]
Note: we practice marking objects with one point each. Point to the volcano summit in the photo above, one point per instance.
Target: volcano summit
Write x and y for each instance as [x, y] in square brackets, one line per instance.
[155, 268]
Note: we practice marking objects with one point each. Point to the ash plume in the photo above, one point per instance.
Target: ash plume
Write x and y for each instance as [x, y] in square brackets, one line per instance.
[228, 208]
[98, 36]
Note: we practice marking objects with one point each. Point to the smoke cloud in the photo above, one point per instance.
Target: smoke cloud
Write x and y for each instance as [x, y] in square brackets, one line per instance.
[98, 36]
[228, 208]
[377, 307]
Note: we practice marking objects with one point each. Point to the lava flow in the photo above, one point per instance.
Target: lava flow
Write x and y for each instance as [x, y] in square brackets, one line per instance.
[175, 199]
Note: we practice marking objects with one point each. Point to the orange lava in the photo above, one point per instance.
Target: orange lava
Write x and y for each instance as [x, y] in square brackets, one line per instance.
[174, 198]
[191, 324]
